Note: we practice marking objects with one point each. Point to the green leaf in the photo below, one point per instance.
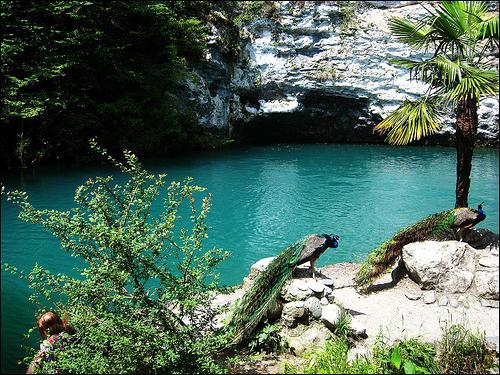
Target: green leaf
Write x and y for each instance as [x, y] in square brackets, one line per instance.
[396, 357]
[409, 367]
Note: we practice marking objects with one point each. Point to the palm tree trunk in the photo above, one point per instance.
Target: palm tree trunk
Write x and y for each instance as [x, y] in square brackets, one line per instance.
[466, 129]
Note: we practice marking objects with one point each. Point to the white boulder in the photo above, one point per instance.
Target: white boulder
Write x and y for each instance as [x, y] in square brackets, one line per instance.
[446, 266]
[331, 315]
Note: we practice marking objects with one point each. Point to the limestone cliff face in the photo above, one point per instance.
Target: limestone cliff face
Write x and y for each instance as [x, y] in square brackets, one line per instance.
[311, 73]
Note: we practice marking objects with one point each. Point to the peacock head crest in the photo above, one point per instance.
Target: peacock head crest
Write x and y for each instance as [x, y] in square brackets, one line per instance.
[334, 240]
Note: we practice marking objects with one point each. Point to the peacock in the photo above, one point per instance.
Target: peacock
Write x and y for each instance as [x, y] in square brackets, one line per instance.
[384, 256]
[262, 296]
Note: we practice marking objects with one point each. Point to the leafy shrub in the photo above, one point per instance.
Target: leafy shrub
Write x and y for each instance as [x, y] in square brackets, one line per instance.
[333, 360]
[254, 10]
[459, 351]
[462, 351]
[406, 357]
[267, 339]
[410, 356]
[141, 303]
[70, 71]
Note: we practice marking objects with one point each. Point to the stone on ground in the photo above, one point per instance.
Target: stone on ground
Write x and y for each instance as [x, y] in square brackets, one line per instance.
[305, 338]
[446, 266]
[330, 315]
[313, 304]
[429, 297]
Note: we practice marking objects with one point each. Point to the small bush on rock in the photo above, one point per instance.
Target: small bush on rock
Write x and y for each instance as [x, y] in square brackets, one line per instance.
[267, 339]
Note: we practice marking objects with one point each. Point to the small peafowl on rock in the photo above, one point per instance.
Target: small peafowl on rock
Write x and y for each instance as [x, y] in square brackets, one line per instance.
[263, 294]
[384, 256]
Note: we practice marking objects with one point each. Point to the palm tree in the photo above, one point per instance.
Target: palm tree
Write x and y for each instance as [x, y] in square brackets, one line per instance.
[459, 73]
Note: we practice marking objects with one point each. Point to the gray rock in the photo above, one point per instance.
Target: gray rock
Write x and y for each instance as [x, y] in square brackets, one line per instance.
[465, 301]
[327, 291]
[489, 261]
[492, 342]
[296, 290]
[330, 298]
[312, 61]
[327, 282]
[256, 269]
[443, 301]
[358, 328]
[316, 287]
[413, 296]
[292, 311]
[261, 265]
[330, 315]
[429, 297]
[489, 303]
[314, 306]
[444, 266]
[453, 302]
[301, 285]
[324, 301]
[314, 336]
[493, 249]
[480, 238]
[487, 283]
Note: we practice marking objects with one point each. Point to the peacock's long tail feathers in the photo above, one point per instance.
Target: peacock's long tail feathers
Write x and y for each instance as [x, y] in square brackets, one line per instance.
[384, 256]
[263, 293]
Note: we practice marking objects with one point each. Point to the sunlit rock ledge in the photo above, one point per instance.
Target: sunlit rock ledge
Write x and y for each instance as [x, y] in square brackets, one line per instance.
[436, 283]
[300, 76]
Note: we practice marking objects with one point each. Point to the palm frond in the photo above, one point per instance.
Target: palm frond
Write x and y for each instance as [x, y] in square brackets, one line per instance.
[476, 9]
[416, 35]
[490, 29]
[411, 121]
[439, 69]
[451, 19]
[475, 82]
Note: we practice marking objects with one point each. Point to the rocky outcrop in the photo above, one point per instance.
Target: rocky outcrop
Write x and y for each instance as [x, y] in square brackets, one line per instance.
[306, 312]
[391, 312]
[303, 338]
[419, 305]
[312, 73]
[454, 267]
[445, 266]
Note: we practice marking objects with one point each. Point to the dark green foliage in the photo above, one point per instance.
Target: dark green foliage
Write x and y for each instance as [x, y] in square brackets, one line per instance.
[410, 356]
[333, 360]
[142, 300]
[263, 293]
[461, 351]
[254, 10]
[381, 258]
[267, 339]
[406, 357]
[458, 352]
[76, 69]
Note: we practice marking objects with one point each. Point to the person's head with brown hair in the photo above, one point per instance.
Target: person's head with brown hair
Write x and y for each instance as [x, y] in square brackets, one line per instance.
[51, 324]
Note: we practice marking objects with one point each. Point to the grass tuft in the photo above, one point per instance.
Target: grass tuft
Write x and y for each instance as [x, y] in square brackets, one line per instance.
[462, 351]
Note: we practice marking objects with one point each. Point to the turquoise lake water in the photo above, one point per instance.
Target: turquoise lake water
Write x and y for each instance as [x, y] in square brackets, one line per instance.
[263, 198]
